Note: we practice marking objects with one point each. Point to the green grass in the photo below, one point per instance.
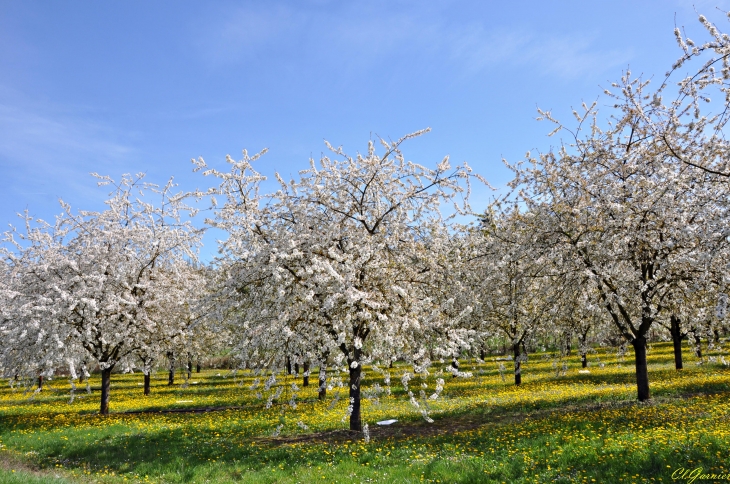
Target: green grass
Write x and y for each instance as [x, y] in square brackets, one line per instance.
[21, 477]
[554, 428]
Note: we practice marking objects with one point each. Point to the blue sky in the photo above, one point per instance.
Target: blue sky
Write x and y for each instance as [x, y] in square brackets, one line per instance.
[133, 86]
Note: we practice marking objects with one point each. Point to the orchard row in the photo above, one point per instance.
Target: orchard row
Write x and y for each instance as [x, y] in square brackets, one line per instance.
[620, 232]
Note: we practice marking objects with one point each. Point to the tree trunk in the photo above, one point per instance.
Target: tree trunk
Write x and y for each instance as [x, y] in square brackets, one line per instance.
[171, 374]
[305, 380]
[40, 382]
[568, 344]
[355, 418]
[676, 333]
[288, 366]
[455, 366]
[296, 369]
[642, 373]
[106, 380]
[190, 368]
[82, 376]
[518, 364]
[147, 383]
[482, 354]
[322, 392]
[197, 368]
[583, 349]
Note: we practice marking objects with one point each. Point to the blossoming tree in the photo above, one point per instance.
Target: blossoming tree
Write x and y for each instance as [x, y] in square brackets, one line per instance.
[99, 282]
[616, 201]
[335, 263]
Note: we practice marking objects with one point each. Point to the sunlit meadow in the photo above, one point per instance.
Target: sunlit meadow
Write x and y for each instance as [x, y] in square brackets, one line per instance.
[561, 425]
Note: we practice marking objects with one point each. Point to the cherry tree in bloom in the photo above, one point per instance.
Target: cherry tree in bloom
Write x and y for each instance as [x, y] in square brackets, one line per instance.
[30, 347]
[202, 336]
[99, 281]
[616, 201]
[336, 262]
[514, 282]
[581, 316]
[179, 320]
[451, 268]
[692, 305]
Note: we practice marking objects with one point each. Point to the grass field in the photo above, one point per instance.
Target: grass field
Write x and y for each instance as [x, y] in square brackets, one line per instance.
[577, 427]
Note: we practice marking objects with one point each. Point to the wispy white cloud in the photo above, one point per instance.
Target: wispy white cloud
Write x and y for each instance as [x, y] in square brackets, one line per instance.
[559, 56]
[366, 38]
[194, 113]
[39, 138]
[42, 153]
[246, 31]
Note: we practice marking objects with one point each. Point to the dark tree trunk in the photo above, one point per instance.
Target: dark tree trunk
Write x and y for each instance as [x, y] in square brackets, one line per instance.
[642, 373]
[171, 372]
[40, 382]
[296, 368]
[582, 348]
[676, 333]
[106, 383]
[146, 383]
[568, 344]
[391, 364]
[518, 364]
[322, 392]
[288, 366]
[305, 381]
[482, 354]
[197, 368]
[454, 365]
[355, 373]
[82, 376]
[190, 368]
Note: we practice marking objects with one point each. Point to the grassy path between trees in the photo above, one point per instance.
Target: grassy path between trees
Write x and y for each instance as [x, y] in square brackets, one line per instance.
[576, 427]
